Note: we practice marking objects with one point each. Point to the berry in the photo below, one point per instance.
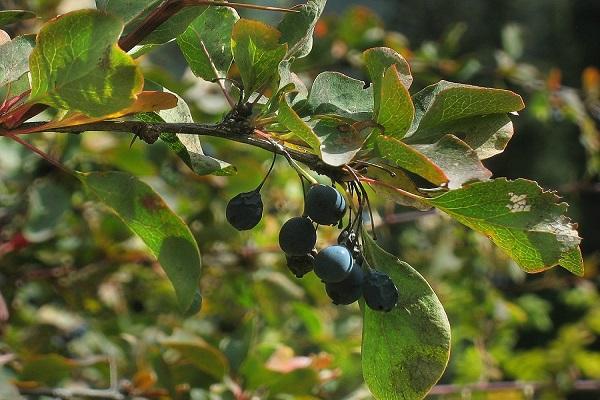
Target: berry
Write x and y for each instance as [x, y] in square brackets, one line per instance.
[245, 210]
[300, 265]
[349, 290]
[333, 264]
[325, 205]
[379, 291]
[297, 236]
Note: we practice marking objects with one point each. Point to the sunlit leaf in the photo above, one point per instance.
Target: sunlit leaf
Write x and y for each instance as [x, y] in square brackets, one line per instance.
[340, 142]
[297, 28]
[333, 92]
[404, 351]
[147, 215]
[13, 59]
[297, 126]
[396, 111]
[77, 65]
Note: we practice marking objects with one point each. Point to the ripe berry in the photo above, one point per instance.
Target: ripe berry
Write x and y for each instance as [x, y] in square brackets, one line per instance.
[333, 264]
[349, 290]
[297, 236]
[379, 291]
[300, 265]
[245, 210]
[325, 205]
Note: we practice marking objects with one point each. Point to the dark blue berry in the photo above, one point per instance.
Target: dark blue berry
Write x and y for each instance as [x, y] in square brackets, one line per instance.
[333, 264]
[325, 205]
[300, 265]
[297, 236]
[244, 211]
[379, 291]
[349, 290]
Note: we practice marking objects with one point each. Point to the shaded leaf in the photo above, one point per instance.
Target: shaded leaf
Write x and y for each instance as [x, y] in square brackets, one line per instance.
[404, 351]
[77, 65]
[519, 217]
[201, 354]
[441, 106]
[206, 43]
[13, 59]
[396, 111]
[339, 142]
[404, 156]
[11, 16]
[297, 28]
[49, 369]
[48, 203]
[333, 92]
[127, 10]
[456, 159]
[257, 53]
[288, 118]
[398, 188]
[378, 60]
[147, 215]
[187, 147]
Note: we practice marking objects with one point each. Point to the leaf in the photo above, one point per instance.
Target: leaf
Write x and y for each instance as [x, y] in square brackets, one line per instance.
[147, 215]
[187, 147]
[488, 135]
[48, 369]
[48, 203]
[439, 107]
[456, 159]
[128, 10]
[288, 118]
[378, 60]
[297, 28]
[13, 59]
[339, 143]
[8, 17]
[174, 26]
[201, 354]
[398, 188]
[257, 53]
[407, 157]
[206, 43]
[396, 111]
[405, 351]
[77, 65]
[519, 217]
[333, 92]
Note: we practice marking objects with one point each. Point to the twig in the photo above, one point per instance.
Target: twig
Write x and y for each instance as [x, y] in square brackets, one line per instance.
[70, 394]
[310, 160]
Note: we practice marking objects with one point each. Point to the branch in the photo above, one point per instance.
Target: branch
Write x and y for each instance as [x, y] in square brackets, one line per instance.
[220, 131]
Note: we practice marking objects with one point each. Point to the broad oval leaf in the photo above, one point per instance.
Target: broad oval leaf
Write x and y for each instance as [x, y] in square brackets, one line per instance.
[288, 118]
[378, 60]
[334, 92]
[77, 65]
[297, 28]
[257, 53]
[441, 107]
[147, 215]
[202, 355]
[404, 351]
[206, 43]
[396, 110]
[340, 142]
[13, 59]
[525, 221]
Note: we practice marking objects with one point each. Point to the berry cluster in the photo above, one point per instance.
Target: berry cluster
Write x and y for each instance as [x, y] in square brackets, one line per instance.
[342, 267]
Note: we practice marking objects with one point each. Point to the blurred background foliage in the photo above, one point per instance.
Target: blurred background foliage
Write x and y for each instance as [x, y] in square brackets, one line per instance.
[82, 296]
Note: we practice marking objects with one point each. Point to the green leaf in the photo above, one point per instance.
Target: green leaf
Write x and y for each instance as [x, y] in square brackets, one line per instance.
[404, 156]
[13, 59]
[8, 17]
[519, 217]
[202, 355]
[257, 53]
[405, 351]
[147, 215]
[48, 203]
[48, 369]
[398, 188]
[378, 60]
[206, 43]
[128, 10]
[488, 135]
[174, 26]
[297, 28]
[288, 118]
[439, 107]
[77, 65]
[396, 110]
[187, 147]
[459, 162]
[333, 92]
[340, 142]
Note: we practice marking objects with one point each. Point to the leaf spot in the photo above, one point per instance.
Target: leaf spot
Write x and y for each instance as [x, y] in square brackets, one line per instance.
[518, 203]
